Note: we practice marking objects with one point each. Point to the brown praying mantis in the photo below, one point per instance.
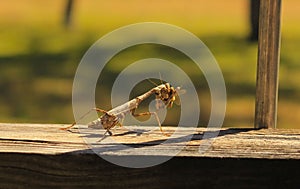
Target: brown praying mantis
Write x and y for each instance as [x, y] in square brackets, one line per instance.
[164, 92]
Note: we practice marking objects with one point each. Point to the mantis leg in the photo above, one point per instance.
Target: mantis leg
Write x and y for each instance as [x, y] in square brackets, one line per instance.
[104, 135]
[83, 116]
[148, 113]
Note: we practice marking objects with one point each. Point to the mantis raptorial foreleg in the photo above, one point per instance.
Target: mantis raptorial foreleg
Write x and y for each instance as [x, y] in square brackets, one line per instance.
[149, 113]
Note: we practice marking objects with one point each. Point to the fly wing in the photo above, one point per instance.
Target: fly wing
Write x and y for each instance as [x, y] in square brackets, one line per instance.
[159, 104]
[179, 92]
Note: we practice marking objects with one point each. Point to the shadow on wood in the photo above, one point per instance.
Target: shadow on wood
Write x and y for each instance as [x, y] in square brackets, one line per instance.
[20, 170]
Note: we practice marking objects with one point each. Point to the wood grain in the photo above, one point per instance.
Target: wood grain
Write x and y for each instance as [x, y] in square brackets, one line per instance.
[43, 156]
[231, 143]
[268, 64]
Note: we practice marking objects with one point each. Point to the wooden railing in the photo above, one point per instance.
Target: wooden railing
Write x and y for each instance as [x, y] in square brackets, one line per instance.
[43, 156]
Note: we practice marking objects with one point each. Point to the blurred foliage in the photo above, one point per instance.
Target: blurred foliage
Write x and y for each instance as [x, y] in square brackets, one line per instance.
[38, 56]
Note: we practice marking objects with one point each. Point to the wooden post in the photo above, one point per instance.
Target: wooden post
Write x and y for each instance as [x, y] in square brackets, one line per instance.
[254, 19]
[68, 12]
[268, 63]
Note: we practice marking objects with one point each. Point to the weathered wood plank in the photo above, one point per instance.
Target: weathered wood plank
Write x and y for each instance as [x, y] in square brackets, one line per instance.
[38, 138]
[233, 143]
[42, 156]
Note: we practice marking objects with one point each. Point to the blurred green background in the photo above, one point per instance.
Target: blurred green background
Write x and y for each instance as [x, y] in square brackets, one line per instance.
[39, 55]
